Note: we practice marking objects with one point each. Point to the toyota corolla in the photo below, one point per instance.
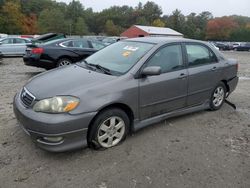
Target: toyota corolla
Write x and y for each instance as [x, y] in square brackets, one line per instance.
[123, 88]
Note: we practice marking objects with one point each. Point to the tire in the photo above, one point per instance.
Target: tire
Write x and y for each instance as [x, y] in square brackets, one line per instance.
[63, 62]
[218, 97]
[109, 129]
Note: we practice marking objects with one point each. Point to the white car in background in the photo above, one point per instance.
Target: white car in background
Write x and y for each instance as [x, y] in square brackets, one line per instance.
[2, 35]
[13, 46]
[212, 44]
[235, 45]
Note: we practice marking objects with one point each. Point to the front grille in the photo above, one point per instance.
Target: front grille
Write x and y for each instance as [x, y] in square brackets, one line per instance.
[27, 98]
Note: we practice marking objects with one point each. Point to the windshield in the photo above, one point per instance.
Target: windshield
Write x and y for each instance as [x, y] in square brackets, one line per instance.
[121, 56]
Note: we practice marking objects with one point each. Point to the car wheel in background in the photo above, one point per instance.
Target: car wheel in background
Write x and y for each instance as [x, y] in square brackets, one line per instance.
[109, 128]
[64, 62]
[218, 97]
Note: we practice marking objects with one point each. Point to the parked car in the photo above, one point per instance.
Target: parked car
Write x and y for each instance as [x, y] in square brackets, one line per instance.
[48, 37]
[213, 45]
[243, 47]
[60, 52]
[235, 45]
[14, 46]
[111, 40]
[223, 46]
[122, 88]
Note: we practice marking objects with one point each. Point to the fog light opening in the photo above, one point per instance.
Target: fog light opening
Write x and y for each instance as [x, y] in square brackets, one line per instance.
[53, 139]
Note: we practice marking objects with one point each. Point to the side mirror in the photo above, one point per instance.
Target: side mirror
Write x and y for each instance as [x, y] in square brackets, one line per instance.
[151, 71]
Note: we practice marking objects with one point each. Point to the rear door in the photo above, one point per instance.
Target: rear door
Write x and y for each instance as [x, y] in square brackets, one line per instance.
[83, 48]
[204, 72]
[20, 46]
[168, 91]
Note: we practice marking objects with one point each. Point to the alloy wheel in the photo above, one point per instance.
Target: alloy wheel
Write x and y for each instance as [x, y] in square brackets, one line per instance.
[64, 63]
[111, 131]
[218, 96]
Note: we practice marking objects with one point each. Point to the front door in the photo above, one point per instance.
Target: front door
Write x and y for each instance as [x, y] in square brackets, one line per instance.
[7, 46]
[167, 91]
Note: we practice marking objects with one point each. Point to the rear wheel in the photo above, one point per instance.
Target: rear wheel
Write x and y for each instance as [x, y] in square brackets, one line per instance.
[218, 97]
[109, 128]
[64, 62]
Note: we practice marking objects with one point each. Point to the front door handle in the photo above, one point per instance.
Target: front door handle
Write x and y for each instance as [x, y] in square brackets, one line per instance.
[182, 76]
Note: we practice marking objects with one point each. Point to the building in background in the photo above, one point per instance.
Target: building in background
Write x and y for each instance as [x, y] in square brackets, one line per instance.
[143, 31]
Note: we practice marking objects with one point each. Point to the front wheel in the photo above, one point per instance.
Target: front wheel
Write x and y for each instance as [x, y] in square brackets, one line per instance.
[218, 97]
[109, 128]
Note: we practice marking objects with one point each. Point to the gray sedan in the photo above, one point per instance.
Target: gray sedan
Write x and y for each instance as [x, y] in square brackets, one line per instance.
[123, 88]
[13, 46]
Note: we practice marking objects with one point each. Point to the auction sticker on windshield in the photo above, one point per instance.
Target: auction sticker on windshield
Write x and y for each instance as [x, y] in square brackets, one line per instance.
[131, 48]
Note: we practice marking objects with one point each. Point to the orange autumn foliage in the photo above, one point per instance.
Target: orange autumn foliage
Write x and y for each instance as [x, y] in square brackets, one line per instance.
[30, 24]
[220, 28]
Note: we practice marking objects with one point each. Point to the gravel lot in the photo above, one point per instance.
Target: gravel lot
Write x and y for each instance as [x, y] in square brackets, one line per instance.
[203, 150]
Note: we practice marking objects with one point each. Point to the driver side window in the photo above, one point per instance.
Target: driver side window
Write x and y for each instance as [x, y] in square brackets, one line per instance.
[168, 58]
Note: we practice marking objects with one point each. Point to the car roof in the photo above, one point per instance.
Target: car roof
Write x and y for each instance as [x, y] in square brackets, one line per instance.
[159, 40]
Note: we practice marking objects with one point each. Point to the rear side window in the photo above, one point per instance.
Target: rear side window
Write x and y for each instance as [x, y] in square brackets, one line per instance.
[20, 41]
[199, 55]
[75, 44]
[80, 44]
[97, 45]
[168, 58]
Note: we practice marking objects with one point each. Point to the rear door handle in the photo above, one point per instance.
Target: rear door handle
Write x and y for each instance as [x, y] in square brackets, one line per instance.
[182, 76]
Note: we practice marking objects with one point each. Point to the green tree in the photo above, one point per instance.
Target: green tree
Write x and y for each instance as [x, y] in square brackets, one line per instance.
[158, 23]
[142, 21]
[90, 20]
[73, 12]
[111, 29]
[81, 27]
[151, 11]
[11, 18]
[191, 29]
[201, 24]
[52, 21]
[36, 7]
[241, 34]
[176, 21]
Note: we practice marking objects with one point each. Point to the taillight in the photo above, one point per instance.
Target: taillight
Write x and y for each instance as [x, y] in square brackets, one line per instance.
[37, 50]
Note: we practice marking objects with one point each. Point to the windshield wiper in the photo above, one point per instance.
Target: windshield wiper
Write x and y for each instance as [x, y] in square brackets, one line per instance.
[88, 65]
[104, 69]
[99, 67]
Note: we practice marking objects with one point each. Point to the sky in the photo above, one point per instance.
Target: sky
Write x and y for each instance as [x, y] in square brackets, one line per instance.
[216, 7]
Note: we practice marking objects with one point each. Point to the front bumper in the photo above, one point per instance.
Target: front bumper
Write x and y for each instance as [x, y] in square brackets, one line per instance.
[72, 128]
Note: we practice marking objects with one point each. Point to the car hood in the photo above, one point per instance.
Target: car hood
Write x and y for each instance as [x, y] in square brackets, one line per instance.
[66, 81]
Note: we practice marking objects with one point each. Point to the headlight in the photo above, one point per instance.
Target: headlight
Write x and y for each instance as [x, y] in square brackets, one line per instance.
[58, 104]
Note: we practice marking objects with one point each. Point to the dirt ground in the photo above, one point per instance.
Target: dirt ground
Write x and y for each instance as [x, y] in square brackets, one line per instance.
[203, 150]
